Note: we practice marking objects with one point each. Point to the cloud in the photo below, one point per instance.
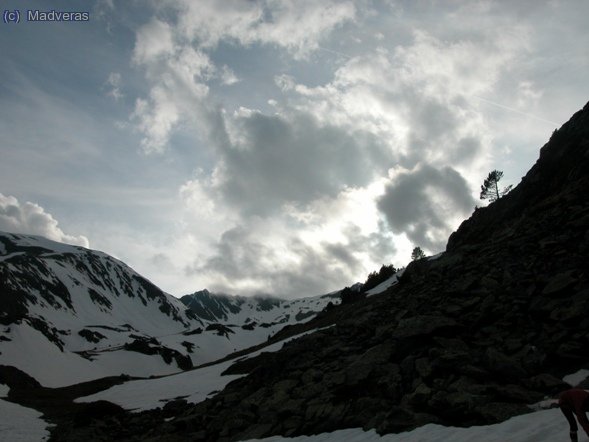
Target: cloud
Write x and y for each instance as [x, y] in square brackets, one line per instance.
[156, 119]
[382, 110]
[162, 261]
[154, 40]
[228, 77]
[426, 203]
[268, 161]
[296, 26]
[300, 251]
[377, 139]
[32, 219]
[528, 95]
[114, 84]
[249, 262]
[300, 26]
[178, 76]
[175, 52]
[420, 96]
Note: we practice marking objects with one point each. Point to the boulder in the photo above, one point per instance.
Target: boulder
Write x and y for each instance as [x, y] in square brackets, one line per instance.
[503, 365]
[424, 325]
[560, 283]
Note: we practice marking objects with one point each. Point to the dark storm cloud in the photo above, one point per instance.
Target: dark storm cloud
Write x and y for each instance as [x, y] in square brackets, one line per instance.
[422, 204]
[278, 160]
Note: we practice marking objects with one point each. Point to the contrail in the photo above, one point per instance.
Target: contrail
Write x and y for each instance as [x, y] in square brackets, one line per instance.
[335, 52]
[515, 110]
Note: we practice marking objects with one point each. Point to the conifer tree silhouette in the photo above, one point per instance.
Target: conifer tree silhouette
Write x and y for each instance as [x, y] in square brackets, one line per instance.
[490, 188]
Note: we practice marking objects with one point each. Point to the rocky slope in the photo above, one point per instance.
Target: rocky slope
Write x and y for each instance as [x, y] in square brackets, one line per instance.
[470, 338]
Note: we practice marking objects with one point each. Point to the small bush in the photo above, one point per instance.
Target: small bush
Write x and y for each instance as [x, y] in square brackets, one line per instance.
[349, 296]
[375, 278]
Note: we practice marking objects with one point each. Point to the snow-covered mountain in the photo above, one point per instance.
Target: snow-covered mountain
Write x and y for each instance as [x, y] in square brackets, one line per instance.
[255, 312]
[69, 314]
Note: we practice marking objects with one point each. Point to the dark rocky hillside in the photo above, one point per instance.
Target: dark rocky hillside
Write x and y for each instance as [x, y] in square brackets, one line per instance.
[470, 338]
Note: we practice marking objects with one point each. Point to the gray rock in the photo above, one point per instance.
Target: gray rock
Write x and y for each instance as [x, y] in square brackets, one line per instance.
[560, 283]
[503, 365]
[423, 325]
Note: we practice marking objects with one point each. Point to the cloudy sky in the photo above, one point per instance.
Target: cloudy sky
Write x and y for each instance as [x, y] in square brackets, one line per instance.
[283, 147]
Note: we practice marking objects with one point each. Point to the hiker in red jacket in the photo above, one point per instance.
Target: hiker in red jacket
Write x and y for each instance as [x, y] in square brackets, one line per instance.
[575, 401]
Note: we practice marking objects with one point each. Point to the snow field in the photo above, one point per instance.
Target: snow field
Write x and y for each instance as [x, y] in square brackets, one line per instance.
[31, 352]
[194, 385]
[21, 424]
[541, 426]
[393, 280]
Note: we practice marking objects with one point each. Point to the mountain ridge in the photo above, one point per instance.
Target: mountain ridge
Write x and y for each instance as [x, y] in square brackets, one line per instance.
[556, 170]
[254, 310]
[91, 315]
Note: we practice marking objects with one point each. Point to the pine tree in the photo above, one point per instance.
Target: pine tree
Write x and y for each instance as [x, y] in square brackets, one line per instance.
[417, 254]
[490, 188]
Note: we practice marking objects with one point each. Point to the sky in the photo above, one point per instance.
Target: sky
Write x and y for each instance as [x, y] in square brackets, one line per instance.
[275, 147]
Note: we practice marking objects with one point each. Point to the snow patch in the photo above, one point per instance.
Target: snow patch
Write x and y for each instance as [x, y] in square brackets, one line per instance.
[20, 424]
[4, 389]
[10, 255]
[39, 241]
[53, 368]
[193, 385]
[434, 257]
[393, 280]
[542, 426]
[575, 379]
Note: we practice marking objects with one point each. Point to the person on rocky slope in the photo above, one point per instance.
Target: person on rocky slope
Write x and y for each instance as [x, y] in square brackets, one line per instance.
[575, 402]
